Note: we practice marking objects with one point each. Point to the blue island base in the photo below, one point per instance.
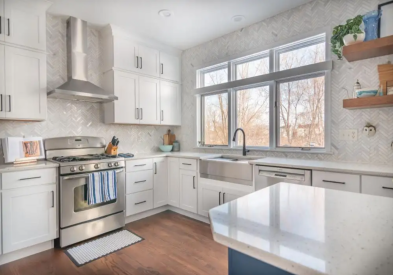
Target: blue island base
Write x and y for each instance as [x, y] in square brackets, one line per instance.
[241, 264]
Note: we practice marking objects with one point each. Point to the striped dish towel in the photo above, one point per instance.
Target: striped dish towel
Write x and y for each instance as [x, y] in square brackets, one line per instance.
[101, 187]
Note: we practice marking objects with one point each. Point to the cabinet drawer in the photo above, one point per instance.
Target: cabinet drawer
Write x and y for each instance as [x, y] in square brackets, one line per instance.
[188, 164]
[379, 186]
[337, 181]
[139, 165]
[139, 202]
[18, 179]
[139, 181]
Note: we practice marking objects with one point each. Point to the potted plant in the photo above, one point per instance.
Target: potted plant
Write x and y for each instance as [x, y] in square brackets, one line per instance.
[347, 34]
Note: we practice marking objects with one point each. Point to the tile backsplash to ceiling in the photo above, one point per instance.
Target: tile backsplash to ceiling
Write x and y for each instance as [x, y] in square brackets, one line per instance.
[72, 118]
[316, 15]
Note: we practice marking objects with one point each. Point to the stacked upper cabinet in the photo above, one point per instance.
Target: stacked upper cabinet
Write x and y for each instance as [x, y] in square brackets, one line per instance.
[23, 59]
[145, 80]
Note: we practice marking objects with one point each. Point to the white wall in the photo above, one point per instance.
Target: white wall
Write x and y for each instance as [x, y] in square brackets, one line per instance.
[319, 14]
[69, 118]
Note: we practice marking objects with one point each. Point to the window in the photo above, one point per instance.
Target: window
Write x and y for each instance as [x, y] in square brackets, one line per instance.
[277, 96]
[301, 112]
[215, 119]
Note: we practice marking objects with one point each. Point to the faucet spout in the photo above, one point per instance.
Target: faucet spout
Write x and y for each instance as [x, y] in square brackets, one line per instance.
[244, 140]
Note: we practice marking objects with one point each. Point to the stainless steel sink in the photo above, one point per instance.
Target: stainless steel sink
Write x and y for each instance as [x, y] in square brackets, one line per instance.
[229, 168]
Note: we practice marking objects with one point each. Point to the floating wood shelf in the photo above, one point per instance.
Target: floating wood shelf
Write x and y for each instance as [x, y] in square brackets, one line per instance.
[368, 102]
[369, 49]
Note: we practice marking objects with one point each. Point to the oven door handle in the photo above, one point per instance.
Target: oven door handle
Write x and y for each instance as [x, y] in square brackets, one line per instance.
[86, 175]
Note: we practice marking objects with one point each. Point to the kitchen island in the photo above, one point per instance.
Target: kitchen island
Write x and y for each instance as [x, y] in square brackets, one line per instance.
[294, 229]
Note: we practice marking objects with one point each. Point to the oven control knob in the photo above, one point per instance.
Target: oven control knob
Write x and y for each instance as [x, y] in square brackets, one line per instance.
[81, 168]
[73, 169]
[116, 164]
[110, 164]
[96, 166]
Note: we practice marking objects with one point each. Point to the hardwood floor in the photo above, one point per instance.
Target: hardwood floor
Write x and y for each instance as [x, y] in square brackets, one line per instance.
[173, 244]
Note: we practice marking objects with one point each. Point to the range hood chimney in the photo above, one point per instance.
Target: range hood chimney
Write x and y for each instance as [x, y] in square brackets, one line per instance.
[77, 87]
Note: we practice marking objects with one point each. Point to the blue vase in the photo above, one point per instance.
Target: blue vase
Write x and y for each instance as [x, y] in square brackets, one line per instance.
[370, 21]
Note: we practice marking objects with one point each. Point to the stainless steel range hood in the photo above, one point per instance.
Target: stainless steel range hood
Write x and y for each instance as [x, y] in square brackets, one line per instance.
[77, 87]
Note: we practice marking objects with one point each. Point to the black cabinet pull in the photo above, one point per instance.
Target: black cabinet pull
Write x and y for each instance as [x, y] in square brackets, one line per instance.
[280, 175]
[223, 198]
[140, 202]
[139, 165]
[219, 198]
[1, 98]
[384, 187]
[137, 62]
[32, 178]
[141, 62]
[186, 163]
[53, 199]
[9, 32]
[140, 181]
[193, 182]
[9, 103]
[162, 68]
[0, 25]
[331, 181]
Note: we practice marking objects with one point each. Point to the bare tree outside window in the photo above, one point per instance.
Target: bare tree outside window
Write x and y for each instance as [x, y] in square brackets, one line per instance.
[216, 119]
[302, 56]
[215, 77]
[252, 68]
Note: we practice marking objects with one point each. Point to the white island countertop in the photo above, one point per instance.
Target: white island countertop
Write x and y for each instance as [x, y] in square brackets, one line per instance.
[333, 166]
[309, 230]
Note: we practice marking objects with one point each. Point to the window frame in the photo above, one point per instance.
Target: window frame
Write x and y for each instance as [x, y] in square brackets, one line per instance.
[201, 73]
[273, 79]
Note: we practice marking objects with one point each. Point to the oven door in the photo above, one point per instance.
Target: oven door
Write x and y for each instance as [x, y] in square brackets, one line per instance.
[74, 207]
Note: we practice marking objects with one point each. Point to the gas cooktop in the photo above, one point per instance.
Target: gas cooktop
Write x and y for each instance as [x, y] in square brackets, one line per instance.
[84, 158]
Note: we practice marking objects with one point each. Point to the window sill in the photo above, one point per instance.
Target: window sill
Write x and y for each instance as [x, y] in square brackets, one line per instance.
[325, 152]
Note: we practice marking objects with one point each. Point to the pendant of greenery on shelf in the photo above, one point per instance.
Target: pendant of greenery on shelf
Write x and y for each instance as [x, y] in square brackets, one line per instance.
[351, 27]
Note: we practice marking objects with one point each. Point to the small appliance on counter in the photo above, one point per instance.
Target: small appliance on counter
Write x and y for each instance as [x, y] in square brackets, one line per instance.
[22, 150]
[111, 149]
[176, 146]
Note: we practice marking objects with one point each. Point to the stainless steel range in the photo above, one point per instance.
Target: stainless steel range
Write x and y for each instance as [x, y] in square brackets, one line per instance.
[78, 157]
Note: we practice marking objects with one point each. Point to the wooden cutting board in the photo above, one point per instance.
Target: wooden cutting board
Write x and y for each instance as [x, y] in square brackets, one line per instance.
[385, 72]
[169, 138]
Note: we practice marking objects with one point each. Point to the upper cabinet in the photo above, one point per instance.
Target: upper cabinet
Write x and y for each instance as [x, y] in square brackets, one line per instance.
[170, 98]
[121, 52]
[23, 23]
[169, 67]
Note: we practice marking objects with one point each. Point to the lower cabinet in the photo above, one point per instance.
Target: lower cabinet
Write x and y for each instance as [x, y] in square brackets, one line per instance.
[139, 202]
[160, 169]
[173, 182]
[337, 181]
[188, 190]
[29, 216]
[210, 196]
[379, 186]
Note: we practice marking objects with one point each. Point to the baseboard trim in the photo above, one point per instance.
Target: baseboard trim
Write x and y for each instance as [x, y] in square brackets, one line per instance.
[25, 252]
[155, 211]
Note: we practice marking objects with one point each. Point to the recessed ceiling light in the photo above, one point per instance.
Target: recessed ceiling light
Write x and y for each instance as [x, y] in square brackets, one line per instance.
[165, 13]
[238, 18]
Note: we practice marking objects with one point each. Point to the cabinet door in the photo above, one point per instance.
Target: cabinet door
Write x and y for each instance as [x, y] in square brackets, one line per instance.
[149, 103]
[29, 216]
[125, 54]
[169, 67]
[25, 72]
[173, 182]
[170, 103]
[2, 81]
[229, 194]
[378, 186]
[188, 190]
[2, 20]
[160, 182]
[126, 86]
[209, 196]
[25, 23]
[148, 61]
[337, 181]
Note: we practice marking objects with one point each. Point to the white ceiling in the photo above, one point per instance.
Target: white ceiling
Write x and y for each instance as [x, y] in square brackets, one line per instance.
[194, 21]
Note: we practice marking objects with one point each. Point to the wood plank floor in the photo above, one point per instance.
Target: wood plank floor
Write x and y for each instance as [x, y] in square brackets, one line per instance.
[173, 244]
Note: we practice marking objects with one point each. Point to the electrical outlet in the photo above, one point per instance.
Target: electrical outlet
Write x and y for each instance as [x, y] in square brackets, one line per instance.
[348, 134]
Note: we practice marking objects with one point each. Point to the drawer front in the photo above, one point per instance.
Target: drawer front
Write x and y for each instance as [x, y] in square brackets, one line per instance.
[27, 178]
[188, 164]
[139, 202]
[139, 181]
[337, 181]
[139, 165]
[379, 186]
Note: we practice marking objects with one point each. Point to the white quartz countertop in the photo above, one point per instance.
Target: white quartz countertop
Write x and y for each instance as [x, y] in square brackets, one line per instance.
[191, 155]
[345, 167]
[309, 230]
[28, 166]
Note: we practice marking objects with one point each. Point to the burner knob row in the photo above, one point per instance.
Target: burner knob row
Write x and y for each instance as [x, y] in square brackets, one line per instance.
[73, 169]
[81, 168]
[96, 166]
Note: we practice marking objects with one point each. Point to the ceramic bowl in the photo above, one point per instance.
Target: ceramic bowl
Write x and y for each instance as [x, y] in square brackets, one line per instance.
[367, 92]
[166, 148]
[349, 40]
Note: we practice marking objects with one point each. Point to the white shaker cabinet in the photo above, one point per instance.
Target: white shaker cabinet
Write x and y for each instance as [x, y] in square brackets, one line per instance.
[188, 190]
[169, 67]
[32, 208]
[125, 54]
[378, 186]
[25, 23]
[149, 100]
[148, 61]
[2, 20]
[209, 196]
[160, 170]
[2, 82]
[25, 84]
[170, 98]
[337, 181]
[173, 182]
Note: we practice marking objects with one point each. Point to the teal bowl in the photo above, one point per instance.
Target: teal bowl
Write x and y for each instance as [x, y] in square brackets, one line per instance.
[166, 148]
